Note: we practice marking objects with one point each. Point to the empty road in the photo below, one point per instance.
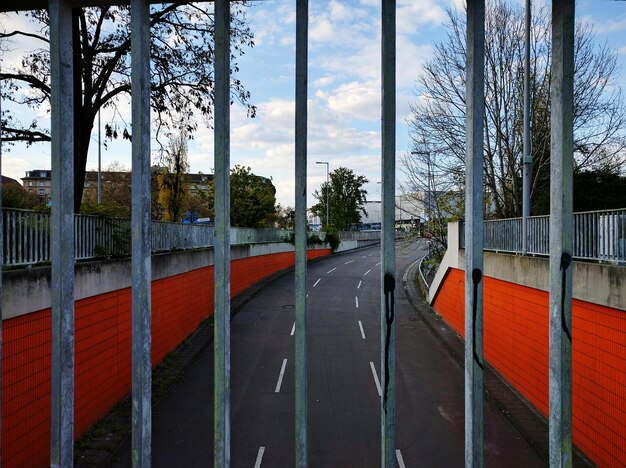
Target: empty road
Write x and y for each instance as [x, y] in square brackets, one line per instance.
[343, 372]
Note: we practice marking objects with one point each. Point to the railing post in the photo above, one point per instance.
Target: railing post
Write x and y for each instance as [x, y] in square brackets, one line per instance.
[62, 234]
[474, 235]
[302, 22]
[388, 265]
[561, 241]
[222, 235]
[141, 245]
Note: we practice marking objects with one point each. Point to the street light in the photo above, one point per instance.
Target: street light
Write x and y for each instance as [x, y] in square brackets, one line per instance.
[327, 192]
[428, 178]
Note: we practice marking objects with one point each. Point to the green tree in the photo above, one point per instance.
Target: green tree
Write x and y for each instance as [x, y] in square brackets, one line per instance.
[346, 198]
[181, 62]
[252, 199]
[600, 189]
[15, 196]
[173, 196]
[437, 122]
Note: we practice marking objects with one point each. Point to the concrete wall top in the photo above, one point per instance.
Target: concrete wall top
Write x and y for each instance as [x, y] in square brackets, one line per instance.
[28, 290]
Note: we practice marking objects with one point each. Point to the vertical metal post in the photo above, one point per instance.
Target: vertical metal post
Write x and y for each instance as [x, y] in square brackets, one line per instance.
[141, 246]
[474, 234]
[302, 24]
[528, 160]
[1, 265]
[62, 234]
[561, 224]
[222, 234]
[388, 265]
[99, 160]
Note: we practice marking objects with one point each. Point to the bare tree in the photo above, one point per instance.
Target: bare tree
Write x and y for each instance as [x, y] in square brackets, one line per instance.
[182, 57]
[173, 194]
[437, 123]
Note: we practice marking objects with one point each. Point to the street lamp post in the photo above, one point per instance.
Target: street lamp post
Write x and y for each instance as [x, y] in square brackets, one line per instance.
[428, 179]
[327, 192]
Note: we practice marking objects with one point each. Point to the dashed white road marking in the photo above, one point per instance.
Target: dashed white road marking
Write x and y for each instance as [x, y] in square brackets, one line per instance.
[379, 263]
[330, 271]
[349, 261]
[380, 393]
[362, 332]
[365, 274]
[356, 301]
[259, 457]
[317, 282]
[400, 459]
[293, 329]
[280, 376]
[359, 286]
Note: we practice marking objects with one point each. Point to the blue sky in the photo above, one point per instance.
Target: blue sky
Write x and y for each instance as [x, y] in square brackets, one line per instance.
[344, 89]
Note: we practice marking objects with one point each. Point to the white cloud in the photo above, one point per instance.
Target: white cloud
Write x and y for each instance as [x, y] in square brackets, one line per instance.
[357, 100]
[411, 14]
[16, 167]
[323, 81]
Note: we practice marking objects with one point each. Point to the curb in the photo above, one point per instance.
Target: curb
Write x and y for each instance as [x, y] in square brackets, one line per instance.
[531, 425]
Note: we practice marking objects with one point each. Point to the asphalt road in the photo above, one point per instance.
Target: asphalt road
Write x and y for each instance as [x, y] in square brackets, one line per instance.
[343, 370]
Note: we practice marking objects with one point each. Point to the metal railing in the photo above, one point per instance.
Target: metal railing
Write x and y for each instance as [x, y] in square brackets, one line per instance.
[598, 235]
[359, 235]
[27, 236]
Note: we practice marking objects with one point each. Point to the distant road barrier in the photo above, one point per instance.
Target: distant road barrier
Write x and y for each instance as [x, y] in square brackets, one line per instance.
[598, 235]
[27, 236]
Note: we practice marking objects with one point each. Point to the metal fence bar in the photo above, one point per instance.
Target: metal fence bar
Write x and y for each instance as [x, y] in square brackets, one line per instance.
[62, 234]
[1, 268]
[222, 236]
[561, 242]
[141, 452]
[388, 265]
[302, 24]
[474, 235]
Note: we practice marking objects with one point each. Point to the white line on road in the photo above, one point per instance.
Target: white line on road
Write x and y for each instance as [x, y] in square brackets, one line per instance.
[359, 286]
[362, 332]
[293, 329]
[330, 271]
[280, 377]
[378, 263]
[317, 282]
[259, 457]
[356, 300]
[367, 272]
[400, 459]
[380, 393]
[349, 261]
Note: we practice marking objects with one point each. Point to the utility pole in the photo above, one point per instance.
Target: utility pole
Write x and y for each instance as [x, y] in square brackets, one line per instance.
[99, 161]
[527, 174]
[327, 191]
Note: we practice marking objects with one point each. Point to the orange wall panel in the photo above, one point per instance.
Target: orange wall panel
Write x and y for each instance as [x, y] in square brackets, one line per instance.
[516, 344]
[103, 351]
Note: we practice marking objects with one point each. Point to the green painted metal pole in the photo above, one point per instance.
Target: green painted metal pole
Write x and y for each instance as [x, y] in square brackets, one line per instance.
[222, 235]
[302, 20]
[561, 225]
[388, 264]
[474, 234]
